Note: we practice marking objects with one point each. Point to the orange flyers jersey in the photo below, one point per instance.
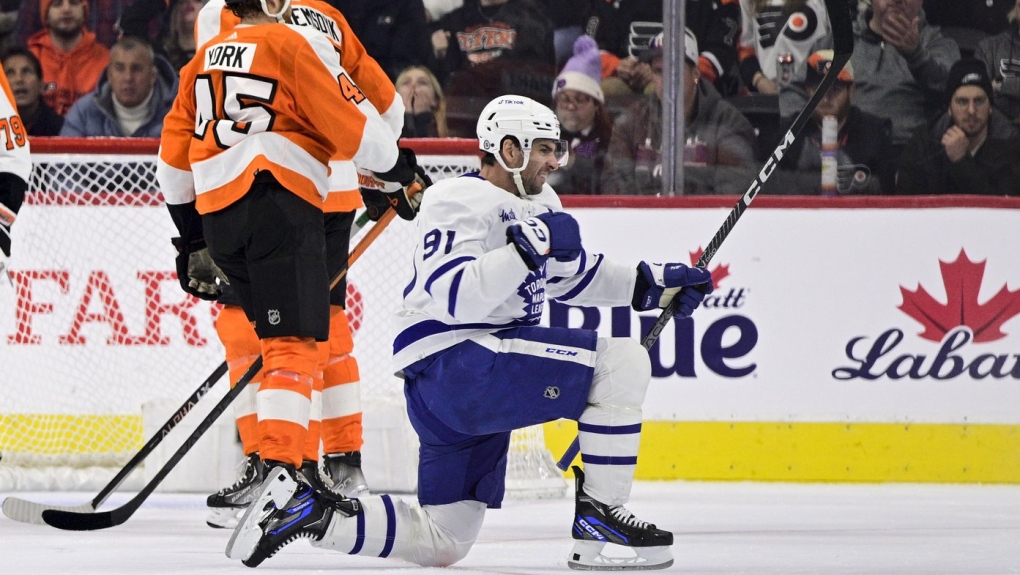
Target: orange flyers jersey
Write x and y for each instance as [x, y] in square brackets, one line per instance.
[215, 19]
[266, 97]
[14, 150]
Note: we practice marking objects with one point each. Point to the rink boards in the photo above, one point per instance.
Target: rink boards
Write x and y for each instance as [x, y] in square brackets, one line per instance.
[847, 340]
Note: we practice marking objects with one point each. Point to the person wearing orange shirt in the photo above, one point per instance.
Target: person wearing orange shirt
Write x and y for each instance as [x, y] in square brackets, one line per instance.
[71, 57]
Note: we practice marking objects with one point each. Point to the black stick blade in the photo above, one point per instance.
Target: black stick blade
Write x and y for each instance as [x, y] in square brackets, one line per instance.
[74, 521]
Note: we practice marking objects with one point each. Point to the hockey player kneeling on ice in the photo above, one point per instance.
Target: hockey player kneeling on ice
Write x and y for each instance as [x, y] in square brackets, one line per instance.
[492, 246]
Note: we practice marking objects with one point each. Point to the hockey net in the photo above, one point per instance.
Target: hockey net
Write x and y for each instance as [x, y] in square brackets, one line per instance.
[95, 324]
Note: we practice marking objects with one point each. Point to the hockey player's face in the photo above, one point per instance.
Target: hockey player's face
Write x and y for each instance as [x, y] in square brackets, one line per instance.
[543, 159]
[970, 108]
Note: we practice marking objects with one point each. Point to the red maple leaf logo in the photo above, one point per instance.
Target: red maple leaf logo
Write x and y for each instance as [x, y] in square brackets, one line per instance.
[718, 272]
[962, 280]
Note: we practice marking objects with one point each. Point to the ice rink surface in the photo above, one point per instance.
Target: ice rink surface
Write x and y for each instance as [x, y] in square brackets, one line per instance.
[720, 528]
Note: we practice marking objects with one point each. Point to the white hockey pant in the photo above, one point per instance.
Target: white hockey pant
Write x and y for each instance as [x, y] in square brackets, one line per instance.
[430, 536]
[609, 427]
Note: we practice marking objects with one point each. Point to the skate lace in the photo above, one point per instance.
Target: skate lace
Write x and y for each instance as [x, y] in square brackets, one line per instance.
[626, 517]
[245, 470]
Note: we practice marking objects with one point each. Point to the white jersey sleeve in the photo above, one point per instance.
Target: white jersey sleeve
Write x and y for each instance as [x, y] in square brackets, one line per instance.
[468, 281]
[208, 24]
[590, 280]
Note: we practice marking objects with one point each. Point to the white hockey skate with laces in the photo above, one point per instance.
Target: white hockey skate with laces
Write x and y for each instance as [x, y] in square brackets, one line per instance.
[596, 524]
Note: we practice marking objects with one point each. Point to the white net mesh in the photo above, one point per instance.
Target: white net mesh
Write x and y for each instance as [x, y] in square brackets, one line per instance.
[95, 324]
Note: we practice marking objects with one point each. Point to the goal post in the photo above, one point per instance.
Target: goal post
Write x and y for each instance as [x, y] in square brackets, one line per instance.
[95, 326]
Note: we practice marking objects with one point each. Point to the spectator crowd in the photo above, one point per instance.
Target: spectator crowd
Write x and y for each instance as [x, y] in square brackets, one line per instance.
[929, 103]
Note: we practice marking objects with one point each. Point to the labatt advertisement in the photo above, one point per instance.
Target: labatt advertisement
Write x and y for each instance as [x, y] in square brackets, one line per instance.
[845, 314]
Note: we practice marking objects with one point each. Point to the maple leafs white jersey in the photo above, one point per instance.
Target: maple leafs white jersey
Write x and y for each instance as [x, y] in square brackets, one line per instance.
[468, 281]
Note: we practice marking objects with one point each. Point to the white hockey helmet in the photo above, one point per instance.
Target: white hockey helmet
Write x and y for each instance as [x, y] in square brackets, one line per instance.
[523, 119]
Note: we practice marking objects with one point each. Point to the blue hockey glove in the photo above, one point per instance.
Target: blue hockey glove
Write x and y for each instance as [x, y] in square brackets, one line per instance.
[657, 284]
[552, 234]
[691, 297]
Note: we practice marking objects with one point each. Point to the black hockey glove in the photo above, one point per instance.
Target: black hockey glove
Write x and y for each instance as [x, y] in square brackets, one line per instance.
[399, 188]
[7, 217]
[12, 194]
[197, 273]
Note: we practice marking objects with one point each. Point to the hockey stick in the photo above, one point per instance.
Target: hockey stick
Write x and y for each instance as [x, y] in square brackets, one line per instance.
[366, 241]
[843, 46]
[86, 520]
[30, 512]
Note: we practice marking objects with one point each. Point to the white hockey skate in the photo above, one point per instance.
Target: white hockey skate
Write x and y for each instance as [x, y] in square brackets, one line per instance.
[596, 524]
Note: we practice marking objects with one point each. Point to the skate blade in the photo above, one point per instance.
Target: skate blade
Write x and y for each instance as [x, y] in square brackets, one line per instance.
[224, 517]
[276, 491]
[587, 556]
[352, 492]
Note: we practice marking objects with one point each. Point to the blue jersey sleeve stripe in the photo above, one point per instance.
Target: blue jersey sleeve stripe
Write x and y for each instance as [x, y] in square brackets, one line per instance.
[443, 269]
[391, 526]
[585, 281]
[609, 429]
[430, 327]
[410, 286]
[454, 290]
[359, 540]
[608, 460]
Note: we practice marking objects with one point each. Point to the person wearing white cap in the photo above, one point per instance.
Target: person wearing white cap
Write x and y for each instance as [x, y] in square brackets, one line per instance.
[720, 146]
[585, 122]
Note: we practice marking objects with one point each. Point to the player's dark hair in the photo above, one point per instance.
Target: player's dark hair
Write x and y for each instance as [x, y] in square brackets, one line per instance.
[490, 160]
[244, 8]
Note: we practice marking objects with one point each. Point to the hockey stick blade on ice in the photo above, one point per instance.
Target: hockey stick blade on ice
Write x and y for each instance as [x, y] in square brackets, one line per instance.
[90, 521]
[841, 18]
[72, 520]
[30, 512]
